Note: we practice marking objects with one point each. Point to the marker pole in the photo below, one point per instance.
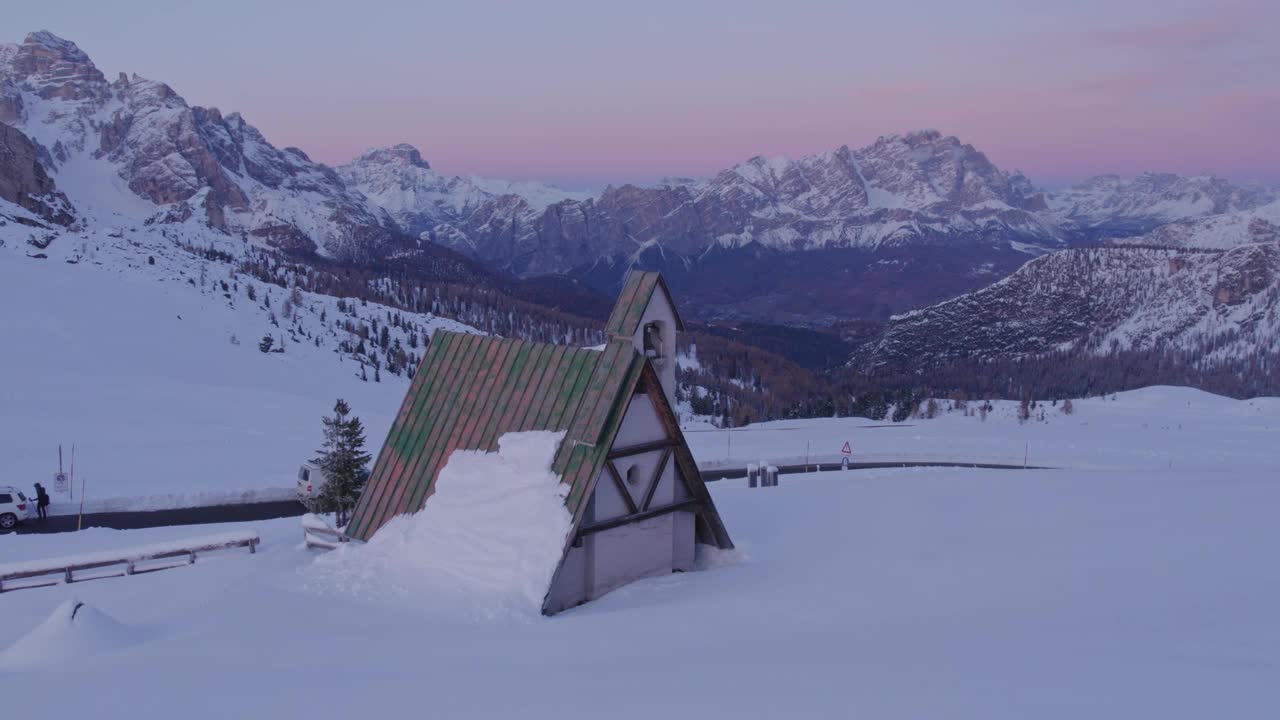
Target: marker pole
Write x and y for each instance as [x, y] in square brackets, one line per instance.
[80, 518]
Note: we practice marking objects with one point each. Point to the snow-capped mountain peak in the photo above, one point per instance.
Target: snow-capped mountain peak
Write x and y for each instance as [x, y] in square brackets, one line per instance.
[55, 68]
[133, 150]
[399, 180]
[401, 153]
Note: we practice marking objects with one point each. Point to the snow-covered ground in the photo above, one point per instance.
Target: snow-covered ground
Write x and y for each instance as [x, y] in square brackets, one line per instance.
[904, 593]
[1136, 580]
[1156, 428]
[153, 371]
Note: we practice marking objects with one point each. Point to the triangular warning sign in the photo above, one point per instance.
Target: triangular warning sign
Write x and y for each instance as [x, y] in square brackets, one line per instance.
[846, 449]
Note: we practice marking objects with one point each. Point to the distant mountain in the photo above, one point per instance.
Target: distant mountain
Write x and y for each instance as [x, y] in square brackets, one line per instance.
[1108, 206]
[845, 235]
[1258, 225]
[870, 222]
[902, 189]
[906, 221]
[397, 179]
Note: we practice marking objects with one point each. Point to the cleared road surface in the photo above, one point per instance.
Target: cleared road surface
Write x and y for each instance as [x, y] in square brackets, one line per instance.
[291, 508]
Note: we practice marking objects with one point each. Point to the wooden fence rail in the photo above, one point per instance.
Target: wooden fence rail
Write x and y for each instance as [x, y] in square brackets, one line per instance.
[66, 568]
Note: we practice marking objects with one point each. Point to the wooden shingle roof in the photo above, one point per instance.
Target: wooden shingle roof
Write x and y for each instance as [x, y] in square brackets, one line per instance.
[470, 390]
[637, 290]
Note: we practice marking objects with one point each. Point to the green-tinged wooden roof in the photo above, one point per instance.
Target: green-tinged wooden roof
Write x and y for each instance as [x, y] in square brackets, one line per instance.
[470, 390]
[637, 291]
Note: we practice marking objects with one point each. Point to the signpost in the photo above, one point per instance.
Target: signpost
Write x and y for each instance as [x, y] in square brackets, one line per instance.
[62, 482]
[845, 451]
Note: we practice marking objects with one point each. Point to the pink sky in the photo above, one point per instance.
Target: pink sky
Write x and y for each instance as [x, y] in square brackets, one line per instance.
[585, 93]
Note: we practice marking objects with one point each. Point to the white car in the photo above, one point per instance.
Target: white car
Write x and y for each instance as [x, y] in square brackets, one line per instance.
[14, 508]
[310, 479]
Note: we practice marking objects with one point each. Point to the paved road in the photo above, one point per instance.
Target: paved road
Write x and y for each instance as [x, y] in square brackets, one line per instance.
[291, 508]
[159, 518]
[722, 474]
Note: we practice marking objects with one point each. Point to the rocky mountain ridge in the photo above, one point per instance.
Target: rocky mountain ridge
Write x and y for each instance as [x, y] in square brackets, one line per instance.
[846, 234]
[1207, 289]
[398, 180]
[132, 149]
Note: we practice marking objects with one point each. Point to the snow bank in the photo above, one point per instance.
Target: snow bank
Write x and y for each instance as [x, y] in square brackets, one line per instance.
[486, 545]
[73, 630]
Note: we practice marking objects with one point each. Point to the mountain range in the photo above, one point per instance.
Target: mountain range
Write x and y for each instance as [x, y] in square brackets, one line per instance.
[852, 234]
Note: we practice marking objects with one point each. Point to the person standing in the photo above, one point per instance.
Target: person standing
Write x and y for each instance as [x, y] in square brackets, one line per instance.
[42, 502]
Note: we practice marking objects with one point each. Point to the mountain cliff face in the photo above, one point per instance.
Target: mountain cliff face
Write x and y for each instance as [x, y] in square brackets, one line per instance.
[133, 148]
[24, 182]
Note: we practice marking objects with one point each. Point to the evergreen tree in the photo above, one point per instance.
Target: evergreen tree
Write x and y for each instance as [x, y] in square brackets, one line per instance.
[344, 464]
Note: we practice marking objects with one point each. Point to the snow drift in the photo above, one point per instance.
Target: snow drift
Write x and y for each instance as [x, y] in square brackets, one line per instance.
[73, 630]
[485, 546]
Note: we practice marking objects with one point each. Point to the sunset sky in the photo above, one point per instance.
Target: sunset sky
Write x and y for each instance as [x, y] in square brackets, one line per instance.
[585, 93]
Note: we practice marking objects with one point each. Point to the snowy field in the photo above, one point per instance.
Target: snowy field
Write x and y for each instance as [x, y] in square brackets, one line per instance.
[1136, 579]
[905, 593]
[1156, 428]
[155, 375]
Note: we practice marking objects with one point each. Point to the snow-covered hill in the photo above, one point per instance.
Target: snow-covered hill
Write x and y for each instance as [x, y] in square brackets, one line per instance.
[146, 356]
[1216, 305]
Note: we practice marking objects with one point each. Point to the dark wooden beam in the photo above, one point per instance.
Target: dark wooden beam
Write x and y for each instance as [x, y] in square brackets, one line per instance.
[657, 478]
[641, 449]
[638, 517]
[622, 486]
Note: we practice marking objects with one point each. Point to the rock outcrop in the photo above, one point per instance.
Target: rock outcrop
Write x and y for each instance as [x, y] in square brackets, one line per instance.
[24, 182]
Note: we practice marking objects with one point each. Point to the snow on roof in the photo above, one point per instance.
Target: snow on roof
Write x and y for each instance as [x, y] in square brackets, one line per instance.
[449, 549]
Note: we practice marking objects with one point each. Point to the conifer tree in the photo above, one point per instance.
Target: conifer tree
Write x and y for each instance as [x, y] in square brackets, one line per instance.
[344, 464]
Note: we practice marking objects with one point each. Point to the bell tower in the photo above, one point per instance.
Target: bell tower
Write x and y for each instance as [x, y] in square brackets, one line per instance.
[646, 315]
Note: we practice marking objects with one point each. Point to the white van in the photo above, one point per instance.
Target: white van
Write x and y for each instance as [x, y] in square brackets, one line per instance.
[14, 508]
[310, 479]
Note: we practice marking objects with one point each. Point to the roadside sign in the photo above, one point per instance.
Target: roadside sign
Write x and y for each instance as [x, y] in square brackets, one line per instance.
[60, 482]
[846, 449]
